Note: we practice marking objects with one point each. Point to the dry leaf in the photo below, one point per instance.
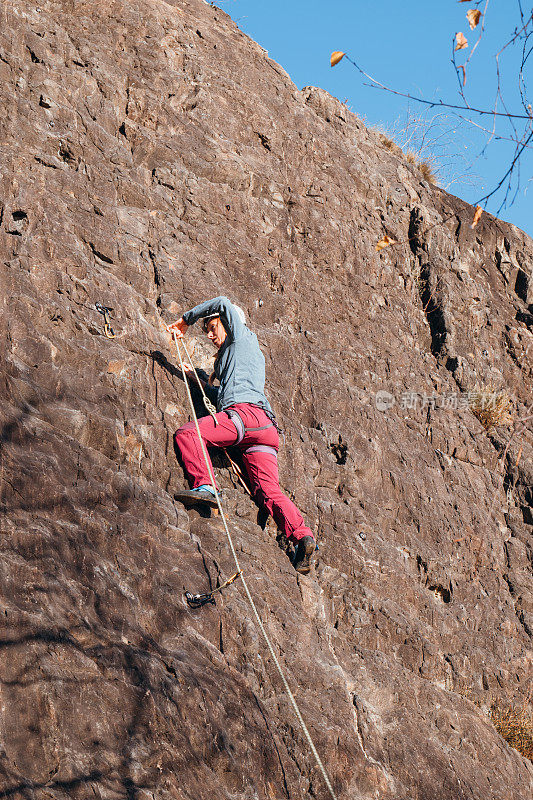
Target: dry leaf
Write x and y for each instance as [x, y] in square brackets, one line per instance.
[477, 216]
[518, 457]
[336, 57]
[461, 41]
[464, 73]
[385, 242]
[473, 15]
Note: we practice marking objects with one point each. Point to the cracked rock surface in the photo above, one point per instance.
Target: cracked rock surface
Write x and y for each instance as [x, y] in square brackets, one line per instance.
[153, 156]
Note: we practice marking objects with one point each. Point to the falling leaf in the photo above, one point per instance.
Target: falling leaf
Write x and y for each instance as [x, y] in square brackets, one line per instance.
[477, 216]
[336, 57]
[461, 41]
[464, 73]
[473, 15]
[385, 242]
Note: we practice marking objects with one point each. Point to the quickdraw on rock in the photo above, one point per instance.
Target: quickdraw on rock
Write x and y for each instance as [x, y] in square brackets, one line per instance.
[105, 311]
[199, 600]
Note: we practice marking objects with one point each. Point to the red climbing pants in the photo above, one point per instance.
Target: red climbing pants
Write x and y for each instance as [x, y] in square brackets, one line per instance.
[261, 464]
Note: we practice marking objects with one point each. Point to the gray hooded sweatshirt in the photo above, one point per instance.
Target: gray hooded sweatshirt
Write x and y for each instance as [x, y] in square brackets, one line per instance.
[240, 364]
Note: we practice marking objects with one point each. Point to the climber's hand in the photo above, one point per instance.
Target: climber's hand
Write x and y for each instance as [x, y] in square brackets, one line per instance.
[179, 327]
[189, 374]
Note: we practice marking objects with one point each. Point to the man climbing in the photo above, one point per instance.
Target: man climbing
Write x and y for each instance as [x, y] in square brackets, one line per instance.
[244, 419]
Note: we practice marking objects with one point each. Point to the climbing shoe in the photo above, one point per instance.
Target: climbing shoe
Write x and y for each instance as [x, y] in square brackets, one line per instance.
[202, 494]
[303, 555]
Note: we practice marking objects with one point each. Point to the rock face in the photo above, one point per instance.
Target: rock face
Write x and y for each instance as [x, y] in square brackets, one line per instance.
[153, 156]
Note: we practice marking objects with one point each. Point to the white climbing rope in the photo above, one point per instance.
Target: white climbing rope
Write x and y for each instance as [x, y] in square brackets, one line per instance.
[207, 402]
[246, 589]
[212, 410]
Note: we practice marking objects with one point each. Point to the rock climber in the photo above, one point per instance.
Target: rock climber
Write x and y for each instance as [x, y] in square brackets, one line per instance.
[245, 420]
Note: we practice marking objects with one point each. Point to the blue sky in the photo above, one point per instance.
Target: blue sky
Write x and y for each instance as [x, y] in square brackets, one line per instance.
[407, 46]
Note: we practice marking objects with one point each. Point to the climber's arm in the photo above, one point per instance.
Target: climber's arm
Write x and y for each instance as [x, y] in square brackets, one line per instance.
[218, 305]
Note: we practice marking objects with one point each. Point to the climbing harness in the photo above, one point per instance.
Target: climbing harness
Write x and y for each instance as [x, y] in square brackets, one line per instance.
[237, 420]
[199, 600]
[105, 311]
[239, 572]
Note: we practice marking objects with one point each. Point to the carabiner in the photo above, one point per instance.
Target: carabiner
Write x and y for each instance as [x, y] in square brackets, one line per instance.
[105, 311]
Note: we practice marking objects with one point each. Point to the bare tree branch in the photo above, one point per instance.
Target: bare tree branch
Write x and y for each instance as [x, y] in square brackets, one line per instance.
[520, 125]
[433, 103]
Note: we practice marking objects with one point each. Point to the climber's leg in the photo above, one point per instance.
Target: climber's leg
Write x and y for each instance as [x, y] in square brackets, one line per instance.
[262, 469]
[186, 439]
